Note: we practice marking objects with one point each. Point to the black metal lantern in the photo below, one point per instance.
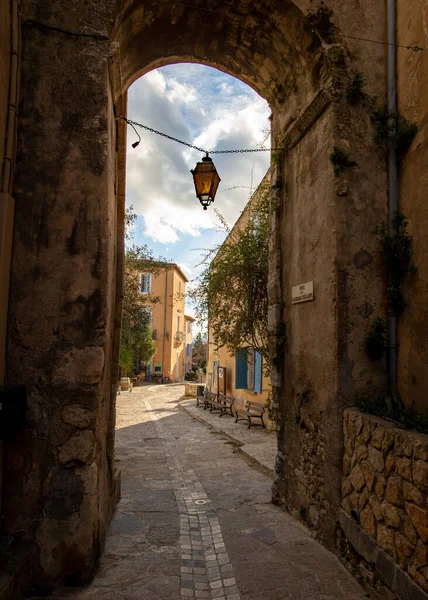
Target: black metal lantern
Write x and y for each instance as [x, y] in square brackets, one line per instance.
[206, 180]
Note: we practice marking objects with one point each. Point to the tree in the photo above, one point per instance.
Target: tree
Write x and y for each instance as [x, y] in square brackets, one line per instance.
[200, 352]
[232, 290]
[137, 335]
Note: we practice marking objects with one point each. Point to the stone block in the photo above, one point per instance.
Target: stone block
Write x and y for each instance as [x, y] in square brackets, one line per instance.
[390, 463]
[390, 514]
[366, 433]
[420, 449]
[375, 506]
[386, 539]
[362, 451]
[78, 416]
[420, 474]
[404, 468]
[377, 437]
[376, 459]
[404, 549]
[408, 530]
[369, 474]
[380, 487]
[411, 492]
[419, 518]
[79, 449]
[346, 464]
[394, 491]
[346, 486]
[364, 498]
[422, 553]
[368, 521]
[403, 445]
[80, 366]
[388, 440]
[357, 478]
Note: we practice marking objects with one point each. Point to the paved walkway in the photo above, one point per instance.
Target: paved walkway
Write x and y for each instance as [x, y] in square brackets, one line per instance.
[256, 444]
[195, 520]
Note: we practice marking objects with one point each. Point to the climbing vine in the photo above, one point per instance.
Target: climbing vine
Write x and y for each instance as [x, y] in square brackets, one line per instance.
[355, 90]
[393, 131]
[396, 250]
[340, 160]
[321, 26]
[376, 339]
[232, 289]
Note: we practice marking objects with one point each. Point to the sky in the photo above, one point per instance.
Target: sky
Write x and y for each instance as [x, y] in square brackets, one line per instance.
[209, 109]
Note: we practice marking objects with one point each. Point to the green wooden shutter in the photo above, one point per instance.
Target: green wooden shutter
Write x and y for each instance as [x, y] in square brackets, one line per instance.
[241, 369]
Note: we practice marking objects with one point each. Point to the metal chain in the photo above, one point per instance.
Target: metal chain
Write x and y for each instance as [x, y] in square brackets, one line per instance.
[170, 137]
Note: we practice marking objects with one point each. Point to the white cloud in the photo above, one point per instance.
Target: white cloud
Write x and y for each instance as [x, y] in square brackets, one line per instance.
[205, 107]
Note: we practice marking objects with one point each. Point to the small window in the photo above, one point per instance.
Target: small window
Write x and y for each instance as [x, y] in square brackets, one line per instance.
[178, 322]
[145, 283]
[189, 326]
[179, 289]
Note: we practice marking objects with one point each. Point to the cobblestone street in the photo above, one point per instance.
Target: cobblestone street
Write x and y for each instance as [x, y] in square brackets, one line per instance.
[195, 520]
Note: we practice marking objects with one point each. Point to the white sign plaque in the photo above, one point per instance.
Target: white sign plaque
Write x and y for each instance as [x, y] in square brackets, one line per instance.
[302, 293]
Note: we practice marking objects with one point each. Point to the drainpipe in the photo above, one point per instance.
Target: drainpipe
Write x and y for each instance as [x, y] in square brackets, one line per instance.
[393, 198]
[7, 205]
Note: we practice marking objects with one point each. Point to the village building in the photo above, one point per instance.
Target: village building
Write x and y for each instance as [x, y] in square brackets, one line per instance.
[244, 375]
[169, 322]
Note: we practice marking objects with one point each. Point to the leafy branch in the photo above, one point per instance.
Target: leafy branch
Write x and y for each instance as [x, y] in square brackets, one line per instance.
[232, 289]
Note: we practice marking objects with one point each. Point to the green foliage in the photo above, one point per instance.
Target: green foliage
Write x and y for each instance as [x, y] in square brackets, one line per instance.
[355, 90]
[233, 286]
[321, 26]
[397, 252]
[276, 158]
[393, 131]
[376, 339]
[390, 407]
[200, 352]
[340, 160]
[191, 376]
[137, 335]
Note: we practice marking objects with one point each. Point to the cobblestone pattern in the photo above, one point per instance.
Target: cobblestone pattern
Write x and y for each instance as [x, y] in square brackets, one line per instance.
[385, 485]
[206, 570]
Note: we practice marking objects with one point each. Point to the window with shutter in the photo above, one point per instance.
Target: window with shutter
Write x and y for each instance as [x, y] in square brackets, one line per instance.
[241, 369]
[145, 283]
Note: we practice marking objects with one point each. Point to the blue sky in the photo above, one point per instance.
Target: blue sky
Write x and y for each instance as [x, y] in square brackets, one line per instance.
[212, 110]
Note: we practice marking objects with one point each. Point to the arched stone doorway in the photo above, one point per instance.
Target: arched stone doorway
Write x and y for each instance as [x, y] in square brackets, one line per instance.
[64, 318]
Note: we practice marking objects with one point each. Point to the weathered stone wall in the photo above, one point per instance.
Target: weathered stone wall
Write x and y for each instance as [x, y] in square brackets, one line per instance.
[64, 315]
[59, 479]
[413, 104]
[325, 225]
[385, 488]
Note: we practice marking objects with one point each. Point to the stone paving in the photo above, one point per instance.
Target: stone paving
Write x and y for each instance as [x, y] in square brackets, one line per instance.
[196, 521]
[257, 444]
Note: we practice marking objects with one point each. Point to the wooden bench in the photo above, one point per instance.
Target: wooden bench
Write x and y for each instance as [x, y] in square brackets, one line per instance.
[253, 410]
[206, 399]
[227, 403]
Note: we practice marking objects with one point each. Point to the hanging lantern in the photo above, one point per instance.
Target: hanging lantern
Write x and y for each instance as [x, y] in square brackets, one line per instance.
[206, 181]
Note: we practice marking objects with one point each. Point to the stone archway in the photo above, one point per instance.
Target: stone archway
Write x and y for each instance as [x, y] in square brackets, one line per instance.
[64, 320]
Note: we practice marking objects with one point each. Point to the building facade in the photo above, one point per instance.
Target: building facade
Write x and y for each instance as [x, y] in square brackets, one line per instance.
[244, 375]
[168, 322]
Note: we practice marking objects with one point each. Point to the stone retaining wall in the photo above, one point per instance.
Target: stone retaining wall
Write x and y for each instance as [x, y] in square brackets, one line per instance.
[384, 488]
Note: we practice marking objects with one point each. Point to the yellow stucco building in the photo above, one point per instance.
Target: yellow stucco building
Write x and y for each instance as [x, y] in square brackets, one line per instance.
[242, 376]
[168, 322]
